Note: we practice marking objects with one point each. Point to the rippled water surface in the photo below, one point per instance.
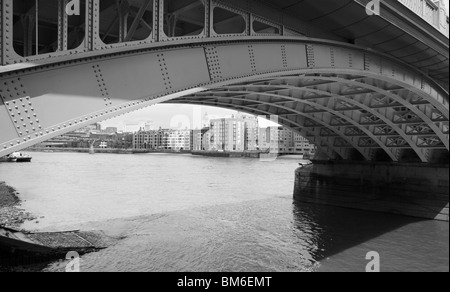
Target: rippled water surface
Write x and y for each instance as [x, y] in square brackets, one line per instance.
[186, 213]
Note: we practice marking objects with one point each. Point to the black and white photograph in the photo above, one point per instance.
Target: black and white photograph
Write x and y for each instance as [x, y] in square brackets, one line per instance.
[224, 143]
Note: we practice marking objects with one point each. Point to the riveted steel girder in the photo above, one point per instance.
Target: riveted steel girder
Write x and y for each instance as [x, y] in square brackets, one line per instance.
[334, 85]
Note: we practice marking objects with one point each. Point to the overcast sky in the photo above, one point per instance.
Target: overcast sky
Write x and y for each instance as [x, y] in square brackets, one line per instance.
[171, 115]
[175, 117]
[167, 116]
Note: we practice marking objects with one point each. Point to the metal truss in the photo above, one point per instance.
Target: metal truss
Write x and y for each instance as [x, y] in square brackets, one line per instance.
[231, 54]
[27, 27]
[381, 120]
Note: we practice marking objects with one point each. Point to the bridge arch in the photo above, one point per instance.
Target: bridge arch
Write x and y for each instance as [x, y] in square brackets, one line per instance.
[343, 97]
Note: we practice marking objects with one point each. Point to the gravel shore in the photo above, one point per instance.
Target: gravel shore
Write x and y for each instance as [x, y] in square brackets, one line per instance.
[11, 215]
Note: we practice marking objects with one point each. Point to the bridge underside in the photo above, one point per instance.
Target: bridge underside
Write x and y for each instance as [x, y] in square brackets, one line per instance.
[348, 116]
[305, 61]
[352, 103]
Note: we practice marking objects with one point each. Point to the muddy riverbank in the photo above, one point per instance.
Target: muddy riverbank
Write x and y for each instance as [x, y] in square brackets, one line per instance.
[11, 213]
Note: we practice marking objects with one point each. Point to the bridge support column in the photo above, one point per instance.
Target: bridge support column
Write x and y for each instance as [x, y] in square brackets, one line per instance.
[407, 189]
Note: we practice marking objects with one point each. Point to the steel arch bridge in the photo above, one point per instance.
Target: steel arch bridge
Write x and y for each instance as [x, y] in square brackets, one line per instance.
[354, 97]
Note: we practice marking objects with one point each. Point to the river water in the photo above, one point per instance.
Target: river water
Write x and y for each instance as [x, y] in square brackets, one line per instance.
[188, 213]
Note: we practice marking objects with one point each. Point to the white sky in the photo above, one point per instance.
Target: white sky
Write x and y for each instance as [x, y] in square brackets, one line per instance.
[172, 116]
[164, 115]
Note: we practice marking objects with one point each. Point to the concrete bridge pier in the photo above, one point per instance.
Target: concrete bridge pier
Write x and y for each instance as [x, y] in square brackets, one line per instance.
[418, 190]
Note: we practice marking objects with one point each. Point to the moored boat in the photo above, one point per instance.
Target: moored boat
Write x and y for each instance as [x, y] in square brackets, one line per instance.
[15, 241]
[19, 157]
[305, 163]
[10, 158]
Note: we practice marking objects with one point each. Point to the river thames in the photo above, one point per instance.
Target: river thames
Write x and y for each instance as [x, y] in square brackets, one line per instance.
[187, 213]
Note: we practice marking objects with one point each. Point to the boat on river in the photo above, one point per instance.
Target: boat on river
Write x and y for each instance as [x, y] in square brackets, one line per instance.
[305, 163]
[14, 241]
[18, 157]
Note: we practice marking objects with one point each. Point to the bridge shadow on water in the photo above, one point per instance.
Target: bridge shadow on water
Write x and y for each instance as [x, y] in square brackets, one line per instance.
[340, 239]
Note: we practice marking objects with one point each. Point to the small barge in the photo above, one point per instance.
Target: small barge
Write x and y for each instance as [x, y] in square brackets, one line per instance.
[15, 244]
